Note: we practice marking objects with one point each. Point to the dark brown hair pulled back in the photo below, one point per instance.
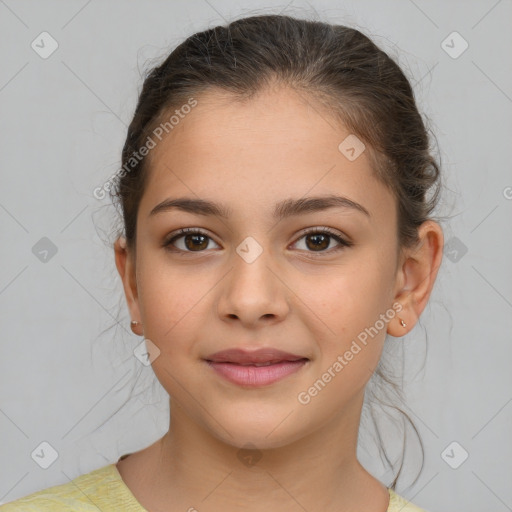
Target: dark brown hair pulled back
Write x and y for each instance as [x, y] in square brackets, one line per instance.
[337, 66]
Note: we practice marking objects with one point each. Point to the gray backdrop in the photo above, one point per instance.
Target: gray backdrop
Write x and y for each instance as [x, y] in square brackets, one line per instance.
[64, 112]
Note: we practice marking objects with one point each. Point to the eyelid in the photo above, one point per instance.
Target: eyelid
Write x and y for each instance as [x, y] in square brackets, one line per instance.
[344, 242]
[301, 233]
[184, 231]
[326, 229]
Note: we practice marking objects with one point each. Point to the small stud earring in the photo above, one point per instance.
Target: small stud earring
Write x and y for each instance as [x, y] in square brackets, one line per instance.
[402, 323]
[134, 324]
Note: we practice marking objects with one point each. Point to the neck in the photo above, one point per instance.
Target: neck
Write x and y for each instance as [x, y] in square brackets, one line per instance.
[188, 468]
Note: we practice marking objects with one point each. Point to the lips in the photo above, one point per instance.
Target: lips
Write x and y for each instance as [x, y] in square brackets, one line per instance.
[256, 368]
[260, 357]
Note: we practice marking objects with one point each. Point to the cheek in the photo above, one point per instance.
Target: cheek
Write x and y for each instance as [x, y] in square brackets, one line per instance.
[172, 308]
[351, 306]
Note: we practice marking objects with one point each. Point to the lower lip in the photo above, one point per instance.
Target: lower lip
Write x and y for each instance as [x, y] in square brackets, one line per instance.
[255, 376]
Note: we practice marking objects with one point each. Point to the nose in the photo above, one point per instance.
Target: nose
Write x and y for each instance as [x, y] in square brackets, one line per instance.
[253, 292]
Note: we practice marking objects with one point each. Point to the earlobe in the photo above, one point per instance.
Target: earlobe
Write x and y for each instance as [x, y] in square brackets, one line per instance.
[417, 277]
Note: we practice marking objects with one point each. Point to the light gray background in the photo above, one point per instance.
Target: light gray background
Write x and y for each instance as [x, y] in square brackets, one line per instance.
[63, 121]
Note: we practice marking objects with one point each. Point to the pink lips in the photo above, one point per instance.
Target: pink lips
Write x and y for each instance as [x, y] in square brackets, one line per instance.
[257, 368]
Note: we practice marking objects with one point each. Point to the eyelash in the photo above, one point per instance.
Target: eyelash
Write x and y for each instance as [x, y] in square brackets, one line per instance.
[167, 244]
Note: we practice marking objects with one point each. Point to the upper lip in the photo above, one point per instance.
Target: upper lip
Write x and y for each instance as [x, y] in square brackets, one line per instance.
[262, 355]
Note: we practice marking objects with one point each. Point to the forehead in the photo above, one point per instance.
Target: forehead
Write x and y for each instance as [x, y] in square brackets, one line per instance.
[275, 145]
[274, 117]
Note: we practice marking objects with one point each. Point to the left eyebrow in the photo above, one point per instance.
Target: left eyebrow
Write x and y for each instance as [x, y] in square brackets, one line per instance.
[283, 209]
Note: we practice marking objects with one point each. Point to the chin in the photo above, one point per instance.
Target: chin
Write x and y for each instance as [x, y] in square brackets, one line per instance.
[256, 440]
[262, 433]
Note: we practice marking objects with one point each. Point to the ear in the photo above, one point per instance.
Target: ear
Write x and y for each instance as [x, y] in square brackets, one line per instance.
[126, 267]
[416, 277]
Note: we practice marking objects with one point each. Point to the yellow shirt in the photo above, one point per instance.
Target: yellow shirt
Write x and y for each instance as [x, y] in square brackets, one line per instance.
[104, 489]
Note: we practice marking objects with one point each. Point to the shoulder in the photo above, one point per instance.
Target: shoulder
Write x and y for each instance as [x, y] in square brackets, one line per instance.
[397, 503]
[101, 489]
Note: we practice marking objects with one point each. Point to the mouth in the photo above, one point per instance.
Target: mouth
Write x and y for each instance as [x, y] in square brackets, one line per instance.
[257, 368]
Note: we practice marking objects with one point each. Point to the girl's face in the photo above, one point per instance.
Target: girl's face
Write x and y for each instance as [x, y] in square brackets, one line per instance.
[254, 279]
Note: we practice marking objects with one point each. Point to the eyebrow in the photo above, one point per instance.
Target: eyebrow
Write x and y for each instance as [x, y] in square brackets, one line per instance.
[283, 209]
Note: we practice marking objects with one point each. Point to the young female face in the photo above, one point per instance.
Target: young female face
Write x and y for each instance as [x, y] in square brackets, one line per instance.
[252, 280]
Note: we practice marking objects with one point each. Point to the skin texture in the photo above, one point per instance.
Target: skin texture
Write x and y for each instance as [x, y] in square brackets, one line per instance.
[311, 302]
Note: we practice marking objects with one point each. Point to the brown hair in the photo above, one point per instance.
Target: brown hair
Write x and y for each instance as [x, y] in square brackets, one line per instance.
[337, 66]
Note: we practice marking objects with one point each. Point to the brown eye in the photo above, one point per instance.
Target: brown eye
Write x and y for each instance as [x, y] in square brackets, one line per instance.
[193, 241]
[319, 241]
